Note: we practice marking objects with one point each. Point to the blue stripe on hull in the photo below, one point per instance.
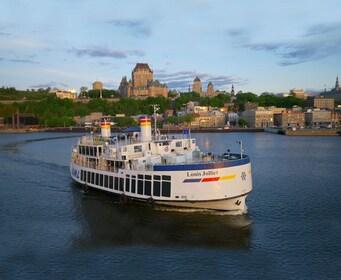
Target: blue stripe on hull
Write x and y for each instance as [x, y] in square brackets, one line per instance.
[201, 166]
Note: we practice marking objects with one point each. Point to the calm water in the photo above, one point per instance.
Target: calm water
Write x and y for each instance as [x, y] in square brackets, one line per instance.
[50, 230]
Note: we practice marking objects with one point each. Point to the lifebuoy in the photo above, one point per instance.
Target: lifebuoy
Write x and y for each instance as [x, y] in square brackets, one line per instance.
[166, 149]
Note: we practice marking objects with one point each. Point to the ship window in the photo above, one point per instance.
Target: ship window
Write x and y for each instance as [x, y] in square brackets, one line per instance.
[106, 181]
[116, 183]
[111, 182]
[157, 177]
[147, 187]
[127, 183]
[148, 177]
[156, 188]
[88, 177]
[166, 189]
[99, 150]
[140, 185]
[101, 180]
[95, 151]
[91, 151]
[133, 184]
[138, 149]
[165, 177]
[97, 179]
[92, 178]
[87, 152]
[82, 175]
[121, 184]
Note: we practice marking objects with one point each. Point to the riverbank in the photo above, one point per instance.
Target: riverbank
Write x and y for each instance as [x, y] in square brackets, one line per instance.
[304, 132]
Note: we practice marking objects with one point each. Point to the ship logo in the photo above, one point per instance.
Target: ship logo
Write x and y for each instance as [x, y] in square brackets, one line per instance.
[243, 176]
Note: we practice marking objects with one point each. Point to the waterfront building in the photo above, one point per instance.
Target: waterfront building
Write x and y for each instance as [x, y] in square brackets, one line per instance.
[260, 117]
[320, 102]
[289, 118]
[318, 117]
[142, 84]
[19, 120]
[208, 119]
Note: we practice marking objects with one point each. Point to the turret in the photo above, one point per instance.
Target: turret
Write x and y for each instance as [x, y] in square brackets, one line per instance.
[146, 129]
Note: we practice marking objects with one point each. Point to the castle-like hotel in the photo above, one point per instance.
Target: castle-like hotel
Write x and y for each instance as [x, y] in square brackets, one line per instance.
[142, 84]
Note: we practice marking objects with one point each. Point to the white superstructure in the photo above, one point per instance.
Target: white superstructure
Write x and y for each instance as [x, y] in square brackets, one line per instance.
[162, 171]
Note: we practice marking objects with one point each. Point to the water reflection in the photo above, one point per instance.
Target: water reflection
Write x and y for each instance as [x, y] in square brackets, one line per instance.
[106, 222]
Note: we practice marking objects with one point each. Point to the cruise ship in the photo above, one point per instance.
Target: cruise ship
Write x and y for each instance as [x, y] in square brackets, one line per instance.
[160, 170]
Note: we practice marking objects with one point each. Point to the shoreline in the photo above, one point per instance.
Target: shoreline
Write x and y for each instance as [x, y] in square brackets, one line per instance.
[305, 132]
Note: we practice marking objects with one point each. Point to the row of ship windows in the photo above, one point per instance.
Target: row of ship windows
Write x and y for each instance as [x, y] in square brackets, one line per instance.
[89, 150]
[142, 185]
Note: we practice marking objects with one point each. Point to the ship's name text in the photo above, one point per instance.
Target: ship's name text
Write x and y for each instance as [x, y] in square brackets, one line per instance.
[202, 173]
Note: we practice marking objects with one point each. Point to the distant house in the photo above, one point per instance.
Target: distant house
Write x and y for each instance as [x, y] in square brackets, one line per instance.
[61, 93]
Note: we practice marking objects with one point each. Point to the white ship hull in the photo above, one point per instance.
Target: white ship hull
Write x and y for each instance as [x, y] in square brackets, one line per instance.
[217, 189]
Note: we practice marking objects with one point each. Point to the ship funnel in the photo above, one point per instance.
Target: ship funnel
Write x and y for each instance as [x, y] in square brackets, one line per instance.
[146, 129]
[105, 128]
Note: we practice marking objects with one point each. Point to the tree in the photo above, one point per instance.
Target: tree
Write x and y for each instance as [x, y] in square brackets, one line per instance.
[242, 123]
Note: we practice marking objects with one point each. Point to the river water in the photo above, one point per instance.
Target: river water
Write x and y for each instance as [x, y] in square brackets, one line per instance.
[49, 229]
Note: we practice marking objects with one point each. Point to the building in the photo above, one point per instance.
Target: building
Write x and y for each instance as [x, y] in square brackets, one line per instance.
[289, 118]
[318, 117]
[321, 102]
[17, 121]
[259, 118]
[142, 84]
[208, 119]
[62, 93]
[197, 87]
[247, 106]
[98, 85]
[334, 93]
[299, 93]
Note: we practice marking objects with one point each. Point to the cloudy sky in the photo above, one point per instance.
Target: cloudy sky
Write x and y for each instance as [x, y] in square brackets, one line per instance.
[257, 45]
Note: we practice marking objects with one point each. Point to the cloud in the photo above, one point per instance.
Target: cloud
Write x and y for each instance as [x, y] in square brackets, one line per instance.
[23, 61]
[322, 29]
[317, 42]
[50, 84]
[107, 53]
[183, 79]
[136, 27]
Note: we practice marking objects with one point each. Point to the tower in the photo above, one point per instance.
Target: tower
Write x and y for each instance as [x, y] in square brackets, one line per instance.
[232, 91]
[197, 86]
[210, 89]
[337, 85]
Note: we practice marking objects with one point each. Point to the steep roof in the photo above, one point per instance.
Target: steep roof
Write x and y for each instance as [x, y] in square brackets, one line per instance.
[197, 79]
[140, 66]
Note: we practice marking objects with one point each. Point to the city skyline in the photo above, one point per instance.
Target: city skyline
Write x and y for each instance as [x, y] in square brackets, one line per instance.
[257, 46]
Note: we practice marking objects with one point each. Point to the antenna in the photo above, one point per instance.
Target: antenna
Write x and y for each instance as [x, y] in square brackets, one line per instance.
[155, 108]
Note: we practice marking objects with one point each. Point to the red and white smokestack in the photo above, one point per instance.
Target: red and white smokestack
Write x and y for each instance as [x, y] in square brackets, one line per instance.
[146, 129]
[105, 128]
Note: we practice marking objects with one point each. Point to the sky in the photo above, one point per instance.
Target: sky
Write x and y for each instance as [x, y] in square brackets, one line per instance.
[256, 45]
